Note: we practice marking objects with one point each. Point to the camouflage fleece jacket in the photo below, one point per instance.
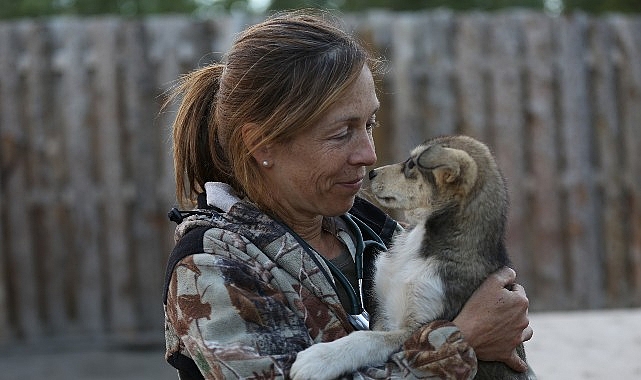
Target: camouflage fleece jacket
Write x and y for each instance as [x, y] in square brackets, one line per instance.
[243, 296]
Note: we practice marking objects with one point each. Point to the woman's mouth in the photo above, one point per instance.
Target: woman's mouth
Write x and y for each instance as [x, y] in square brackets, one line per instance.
[354, 184]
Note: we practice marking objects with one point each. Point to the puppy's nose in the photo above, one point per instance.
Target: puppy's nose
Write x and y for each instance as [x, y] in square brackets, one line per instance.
[372, 174]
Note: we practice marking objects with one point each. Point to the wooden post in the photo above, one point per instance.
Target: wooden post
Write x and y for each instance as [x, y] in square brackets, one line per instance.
[507, 130]
[544, 220]
[50, 246]
[75, 105]
[434, 62]
[581, 226]
[608, 136]
[627, 30]
[471, 69]
[106, 36]
[21, 285]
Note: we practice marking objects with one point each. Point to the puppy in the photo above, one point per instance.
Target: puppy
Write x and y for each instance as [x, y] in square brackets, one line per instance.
[455, 196]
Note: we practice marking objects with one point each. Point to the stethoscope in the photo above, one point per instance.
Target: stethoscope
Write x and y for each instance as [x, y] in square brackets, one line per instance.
[357, 315]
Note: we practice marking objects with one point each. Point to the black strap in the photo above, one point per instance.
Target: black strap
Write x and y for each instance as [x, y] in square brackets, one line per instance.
[191, 243]
[187, 368]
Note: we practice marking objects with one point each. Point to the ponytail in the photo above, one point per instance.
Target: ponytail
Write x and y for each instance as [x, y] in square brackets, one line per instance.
[194, 133]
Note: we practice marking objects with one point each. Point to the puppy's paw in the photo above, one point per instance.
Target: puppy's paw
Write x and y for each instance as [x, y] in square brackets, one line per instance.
[318, 362]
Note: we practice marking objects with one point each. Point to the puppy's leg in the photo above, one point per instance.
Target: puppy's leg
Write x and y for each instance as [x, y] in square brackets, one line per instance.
[358, 349]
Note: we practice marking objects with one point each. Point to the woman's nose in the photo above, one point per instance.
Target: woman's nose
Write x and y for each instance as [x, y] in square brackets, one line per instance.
[365, 153]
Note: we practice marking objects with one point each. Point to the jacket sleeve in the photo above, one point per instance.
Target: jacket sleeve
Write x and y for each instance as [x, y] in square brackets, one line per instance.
[232, 323]
[437, 351]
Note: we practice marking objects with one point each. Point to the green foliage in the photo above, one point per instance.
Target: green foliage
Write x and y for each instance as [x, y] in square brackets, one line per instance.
[34, 8]
[407, 5]
[603, 6]
[591, 6]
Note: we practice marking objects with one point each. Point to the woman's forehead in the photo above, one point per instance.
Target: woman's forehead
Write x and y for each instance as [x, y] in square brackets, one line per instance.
[358, 101]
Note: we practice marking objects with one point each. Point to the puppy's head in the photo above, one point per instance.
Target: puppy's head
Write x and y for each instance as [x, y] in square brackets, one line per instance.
[438, 174]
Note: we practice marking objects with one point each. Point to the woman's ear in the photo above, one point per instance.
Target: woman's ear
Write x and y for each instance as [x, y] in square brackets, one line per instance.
[252, 139]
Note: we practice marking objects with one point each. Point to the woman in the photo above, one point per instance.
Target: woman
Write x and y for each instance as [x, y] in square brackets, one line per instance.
[273, 145]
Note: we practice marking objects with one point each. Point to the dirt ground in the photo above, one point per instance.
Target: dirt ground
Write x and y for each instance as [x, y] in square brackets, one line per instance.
[567, 346]
[586, 345]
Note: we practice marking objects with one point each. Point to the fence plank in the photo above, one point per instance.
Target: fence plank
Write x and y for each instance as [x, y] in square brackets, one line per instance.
[585, 262]
[507, 129]
[608, 138]
[105, 42]
[434, 55]
[143, 153]
[471, 72]
[20, 256]
[46, 178]
[628, 32]
[80, 144]
[545, 242]
[6, 147]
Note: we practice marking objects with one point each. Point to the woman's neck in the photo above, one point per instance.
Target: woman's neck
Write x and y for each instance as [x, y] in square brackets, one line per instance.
[317, 232]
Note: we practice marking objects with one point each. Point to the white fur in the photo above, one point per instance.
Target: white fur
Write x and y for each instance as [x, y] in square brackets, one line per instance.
[407, 284]
[410, 293]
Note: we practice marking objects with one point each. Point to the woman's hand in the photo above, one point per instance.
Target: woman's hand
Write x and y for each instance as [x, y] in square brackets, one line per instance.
[494, 320]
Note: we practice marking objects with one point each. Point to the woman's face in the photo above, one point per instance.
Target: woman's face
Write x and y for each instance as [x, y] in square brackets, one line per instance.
[321, 170]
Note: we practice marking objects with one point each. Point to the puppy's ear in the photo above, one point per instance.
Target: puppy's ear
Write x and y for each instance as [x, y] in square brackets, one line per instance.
[448, 165]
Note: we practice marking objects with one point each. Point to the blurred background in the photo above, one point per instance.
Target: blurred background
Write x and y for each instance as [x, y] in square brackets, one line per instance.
[86, 174]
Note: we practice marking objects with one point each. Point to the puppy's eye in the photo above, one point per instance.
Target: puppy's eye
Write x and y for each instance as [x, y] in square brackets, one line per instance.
[410, 164]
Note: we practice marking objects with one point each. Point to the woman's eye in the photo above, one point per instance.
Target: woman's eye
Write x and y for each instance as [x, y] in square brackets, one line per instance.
[371, 124]
[342, 134]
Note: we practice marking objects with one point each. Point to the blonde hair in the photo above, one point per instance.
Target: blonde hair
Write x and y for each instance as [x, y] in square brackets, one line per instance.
[280, 75]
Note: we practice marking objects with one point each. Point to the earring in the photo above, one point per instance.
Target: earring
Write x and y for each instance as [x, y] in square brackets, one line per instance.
[265, 163]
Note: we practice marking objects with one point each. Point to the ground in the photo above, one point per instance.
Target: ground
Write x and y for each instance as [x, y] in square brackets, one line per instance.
[586, 345]
[566, 345]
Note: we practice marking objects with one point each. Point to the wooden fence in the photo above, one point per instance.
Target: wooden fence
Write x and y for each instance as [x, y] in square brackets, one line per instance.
[86, 172]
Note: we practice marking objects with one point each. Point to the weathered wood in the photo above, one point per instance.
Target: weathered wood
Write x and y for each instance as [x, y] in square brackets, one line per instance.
[471, 69]
[105, 44]
[608, 138]
[5, 147]
[435, 64]
[75, 104]
[507, 129]
[578, 161]
[87, 174]
[627, 30]
[21, 282]
[46, 177]
[146, 137]
[545, 242]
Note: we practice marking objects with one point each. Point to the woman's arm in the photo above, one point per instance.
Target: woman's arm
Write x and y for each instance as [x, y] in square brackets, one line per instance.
[436, 350]
[230, 322]
[494, 320]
